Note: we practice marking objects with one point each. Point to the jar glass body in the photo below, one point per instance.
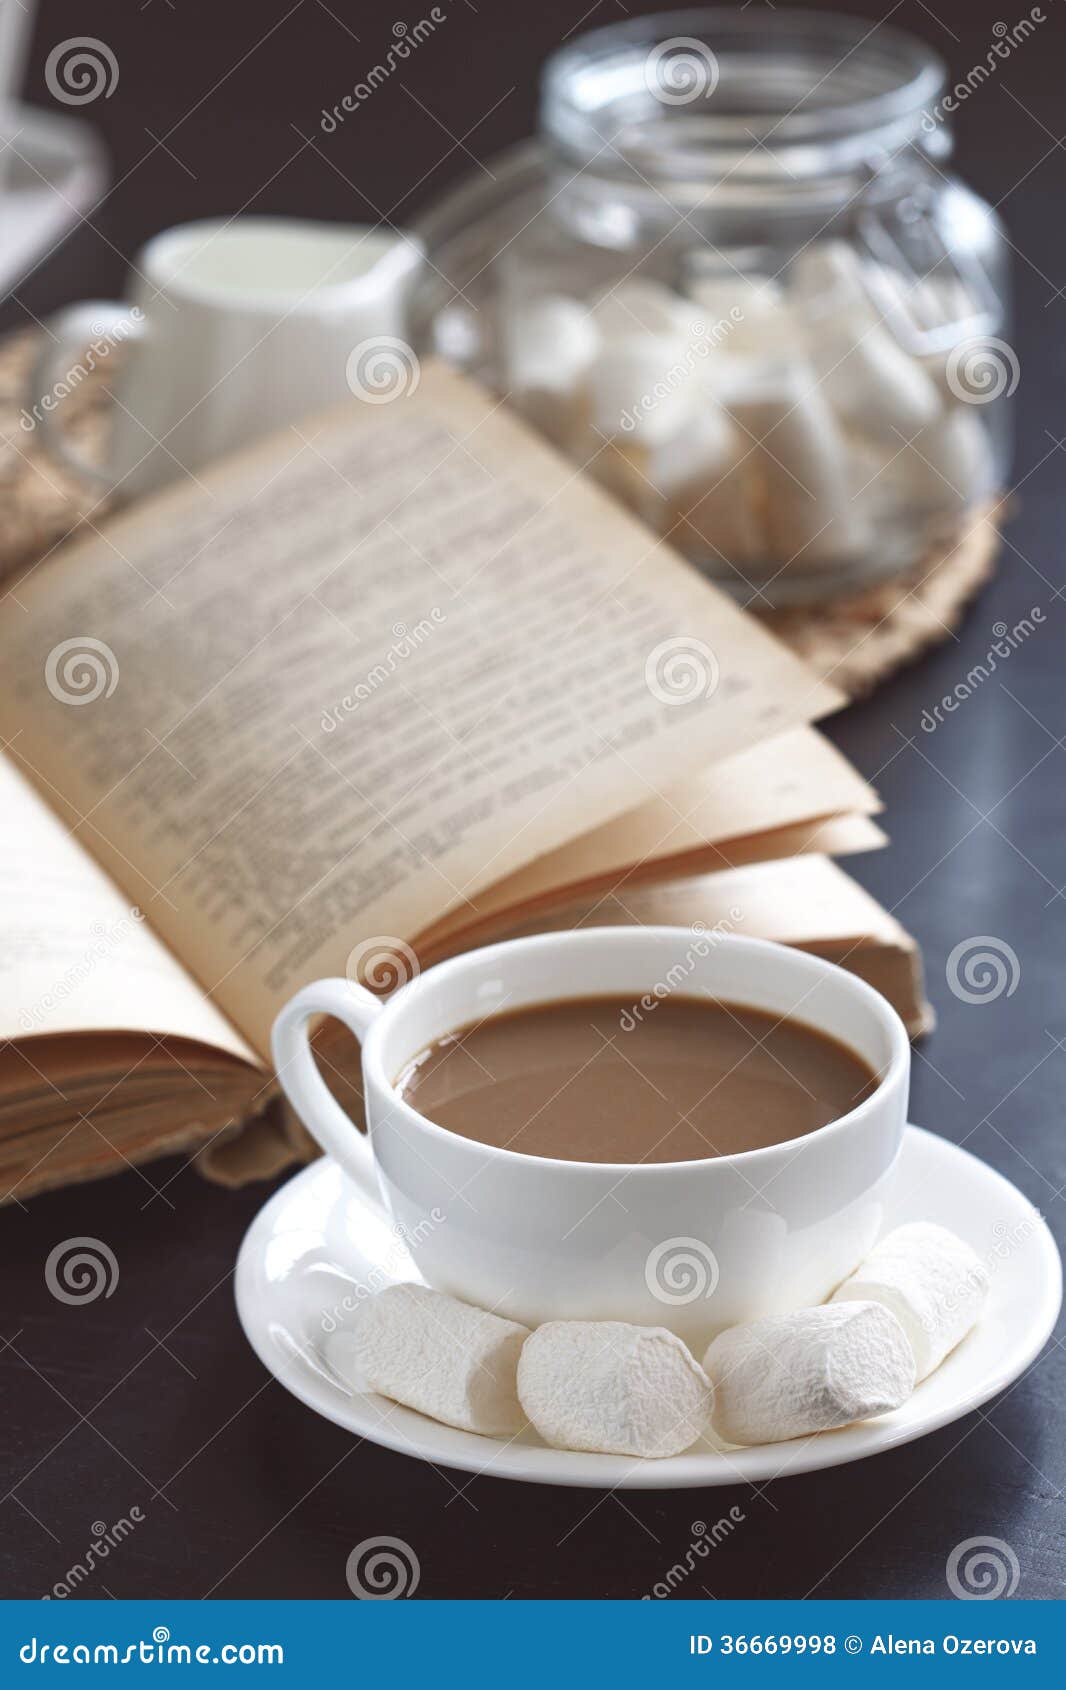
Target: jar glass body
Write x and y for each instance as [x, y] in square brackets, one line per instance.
[734, 281]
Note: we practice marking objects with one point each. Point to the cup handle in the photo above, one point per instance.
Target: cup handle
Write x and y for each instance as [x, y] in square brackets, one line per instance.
[76, 332]
[298, 1072]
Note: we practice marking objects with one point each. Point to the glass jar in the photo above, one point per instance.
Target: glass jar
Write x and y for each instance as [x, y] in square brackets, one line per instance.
[734, 282]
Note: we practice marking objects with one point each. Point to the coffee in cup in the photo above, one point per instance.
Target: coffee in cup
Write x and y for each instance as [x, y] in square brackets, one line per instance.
[601, 1080]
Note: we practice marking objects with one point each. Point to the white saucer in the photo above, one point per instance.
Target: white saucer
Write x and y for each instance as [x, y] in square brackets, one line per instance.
[321, 1240]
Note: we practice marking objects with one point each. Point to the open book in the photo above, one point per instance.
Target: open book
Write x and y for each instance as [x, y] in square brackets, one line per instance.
[394, 683]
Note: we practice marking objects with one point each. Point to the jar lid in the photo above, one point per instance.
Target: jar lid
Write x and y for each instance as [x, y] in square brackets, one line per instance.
[714, 95]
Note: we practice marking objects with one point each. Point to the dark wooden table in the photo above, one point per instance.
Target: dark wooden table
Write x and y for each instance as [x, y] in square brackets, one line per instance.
[151, 1399]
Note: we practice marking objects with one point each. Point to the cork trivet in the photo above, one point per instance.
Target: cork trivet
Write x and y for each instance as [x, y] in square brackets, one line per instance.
[856, 642]
[40, 502]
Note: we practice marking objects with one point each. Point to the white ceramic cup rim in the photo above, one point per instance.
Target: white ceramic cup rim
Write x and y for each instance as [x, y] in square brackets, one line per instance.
[436, 977]
[160, 263]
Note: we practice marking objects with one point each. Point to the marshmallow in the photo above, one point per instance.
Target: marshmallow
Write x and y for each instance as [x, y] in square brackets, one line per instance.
[942, 471]
[613, 1388]
[807, 510]
[698, 454]
[931, 1281]
[742, 314]
[641, 307]
[831, 272]
[937, 305]
[927, 315]
[869, 380]
[883, 488]
[548, 345]
[923, 302]
[871, 383]
[950, 465]
[831, 279]
[643, 386]
[796, 1374]
[548, 342]
[431, 1352]
[700, 488]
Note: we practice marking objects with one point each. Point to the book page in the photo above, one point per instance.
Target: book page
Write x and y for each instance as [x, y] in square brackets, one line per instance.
[804, 901]
[349, 678]
[75, 955]
[823, 836]
[779, 783]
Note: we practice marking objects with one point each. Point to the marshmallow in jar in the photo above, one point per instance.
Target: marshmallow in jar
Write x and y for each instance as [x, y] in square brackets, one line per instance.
[734, 283]
[766, 429]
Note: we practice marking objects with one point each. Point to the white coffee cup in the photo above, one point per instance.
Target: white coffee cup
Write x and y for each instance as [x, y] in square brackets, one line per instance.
[695, 1246]
[233, 328]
